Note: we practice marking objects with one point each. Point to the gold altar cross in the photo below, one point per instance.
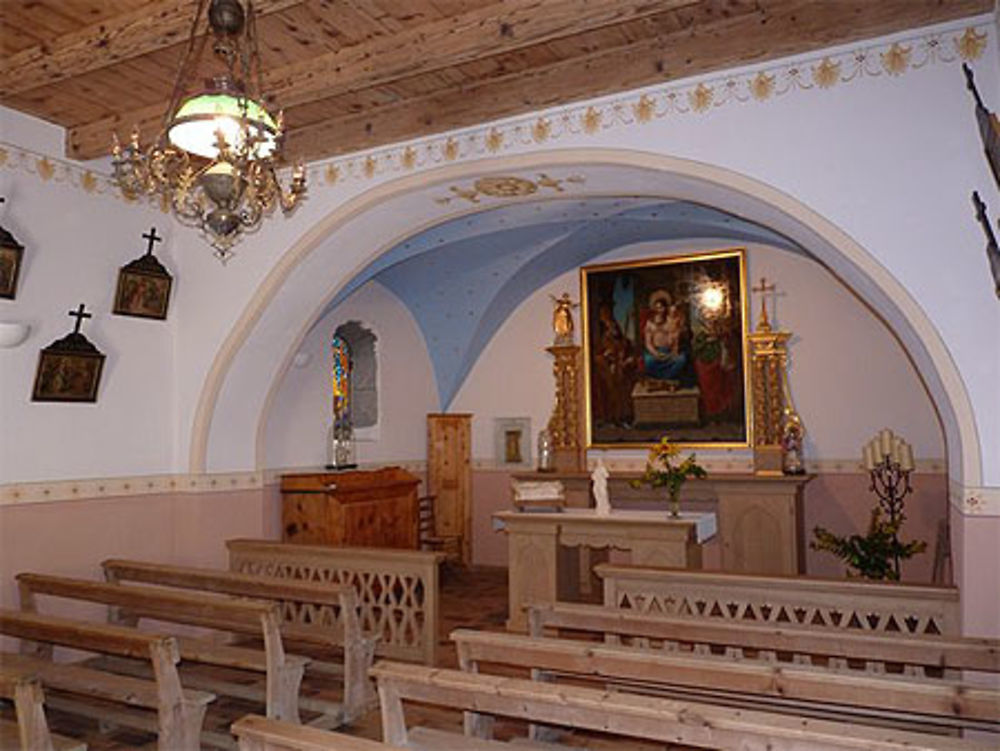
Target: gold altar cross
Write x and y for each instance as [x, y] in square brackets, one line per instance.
[764, 290]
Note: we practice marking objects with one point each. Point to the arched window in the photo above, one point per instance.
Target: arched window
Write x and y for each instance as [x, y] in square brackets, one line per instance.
[363, 394]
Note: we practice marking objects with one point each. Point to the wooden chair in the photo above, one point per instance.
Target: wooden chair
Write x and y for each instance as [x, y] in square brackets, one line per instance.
[450, 545]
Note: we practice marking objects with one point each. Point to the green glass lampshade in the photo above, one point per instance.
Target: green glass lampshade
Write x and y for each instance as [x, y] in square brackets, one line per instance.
[198, 120]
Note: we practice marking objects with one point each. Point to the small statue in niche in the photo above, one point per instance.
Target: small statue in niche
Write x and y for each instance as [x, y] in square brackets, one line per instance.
[792, 436]
[562, 319]
[599, 485]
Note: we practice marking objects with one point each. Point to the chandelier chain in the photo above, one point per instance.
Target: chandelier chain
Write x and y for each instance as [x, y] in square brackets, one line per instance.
[215, 161]
[189, 57]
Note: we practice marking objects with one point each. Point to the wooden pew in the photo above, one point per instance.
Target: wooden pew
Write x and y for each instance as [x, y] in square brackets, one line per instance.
[883, 678]
[397, 589]
[625, 715]
[283, 672]
[840, 605]
[31, 731]
[901, 701]
[342, 633]
[256, 733]
[864, 651]
[179, 712]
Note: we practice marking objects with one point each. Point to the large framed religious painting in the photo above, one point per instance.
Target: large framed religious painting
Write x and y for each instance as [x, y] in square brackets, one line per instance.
[665, 351]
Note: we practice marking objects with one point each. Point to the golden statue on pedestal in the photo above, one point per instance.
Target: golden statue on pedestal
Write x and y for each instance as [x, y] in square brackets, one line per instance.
[562, 319]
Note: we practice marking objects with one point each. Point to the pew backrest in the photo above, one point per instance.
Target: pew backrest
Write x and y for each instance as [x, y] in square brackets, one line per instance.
[256, 733]
[208, 610]
[323, 614]
[191, 608]
[750, 640]
[810, 690]
[398, 593]
[628, 715]
[806, 602]
[179, 712]
[118, 570]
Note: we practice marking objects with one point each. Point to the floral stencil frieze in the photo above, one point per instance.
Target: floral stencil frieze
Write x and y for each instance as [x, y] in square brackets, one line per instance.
[946, 44]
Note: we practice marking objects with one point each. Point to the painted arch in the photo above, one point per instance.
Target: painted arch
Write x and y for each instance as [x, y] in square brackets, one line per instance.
[247, 370]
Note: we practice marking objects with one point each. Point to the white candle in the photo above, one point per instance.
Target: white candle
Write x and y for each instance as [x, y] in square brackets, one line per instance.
[907, 462]
[869, 457]
[886, 442]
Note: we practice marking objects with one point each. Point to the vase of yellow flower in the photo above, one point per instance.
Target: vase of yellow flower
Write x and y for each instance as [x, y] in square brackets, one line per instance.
[662, 472]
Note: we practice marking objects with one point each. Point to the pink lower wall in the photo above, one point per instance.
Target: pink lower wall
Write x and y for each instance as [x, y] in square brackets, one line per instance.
[842, 503]
[976, 545]
[72, 537]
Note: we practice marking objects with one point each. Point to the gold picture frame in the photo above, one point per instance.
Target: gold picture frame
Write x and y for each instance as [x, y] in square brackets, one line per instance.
[665, 351]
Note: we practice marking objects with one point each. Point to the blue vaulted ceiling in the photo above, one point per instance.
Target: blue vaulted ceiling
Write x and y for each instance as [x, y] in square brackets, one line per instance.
[461, 279]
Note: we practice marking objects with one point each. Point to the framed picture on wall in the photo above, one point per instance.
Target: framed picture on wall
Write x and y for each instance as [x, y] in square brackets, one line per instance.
[665, 351]
[11, 253]
[143, 289]
[67, 376]
[512, 442]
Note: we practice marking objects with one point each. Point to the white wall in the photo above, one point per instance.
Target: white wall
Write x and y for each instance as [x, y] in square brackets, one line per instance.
[301, 415]
[75, 240]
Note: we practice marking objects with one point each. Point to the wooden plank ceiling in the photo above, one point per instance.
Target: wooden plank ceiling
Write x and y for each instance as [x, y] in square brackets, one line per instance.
[352, 74]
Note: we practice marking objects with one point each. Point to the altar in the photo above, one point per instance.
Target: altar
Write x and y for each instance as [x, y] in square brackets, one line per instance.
[537, 543]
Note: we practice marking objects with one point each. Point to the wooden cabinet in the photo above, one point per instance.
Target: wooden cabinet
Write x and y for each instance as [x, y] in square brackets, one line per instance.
[371, 509]
[449, 476]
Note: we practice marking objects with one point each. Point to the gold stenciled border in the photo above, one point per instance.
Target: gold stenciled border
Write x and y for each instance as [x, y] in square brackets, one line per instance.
[710, 255]
[892, 57]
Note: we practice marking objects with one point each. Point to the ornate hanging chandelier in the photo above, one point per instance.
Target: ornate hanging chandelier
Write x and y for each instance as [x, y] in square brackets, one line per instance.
[215, 161]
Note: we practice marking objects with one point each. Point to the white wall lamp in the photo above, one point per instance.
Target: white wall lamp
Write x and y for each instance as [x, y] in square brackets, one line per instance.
[13, 333]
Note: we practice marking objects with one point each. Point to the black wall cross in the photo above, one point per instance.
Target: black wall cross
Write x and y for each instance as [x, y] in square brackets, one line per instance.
[79, 315]
[152, 238]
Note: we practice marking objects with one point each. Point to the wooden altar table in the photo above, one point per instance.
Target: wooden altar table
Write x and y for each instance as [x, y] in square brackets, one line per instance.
[539, 570]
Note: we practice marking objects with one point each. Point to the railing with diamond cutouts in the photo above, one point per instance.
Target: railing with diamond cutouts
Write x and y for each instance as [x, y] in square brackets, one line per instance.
[397, 589]
[878, 608]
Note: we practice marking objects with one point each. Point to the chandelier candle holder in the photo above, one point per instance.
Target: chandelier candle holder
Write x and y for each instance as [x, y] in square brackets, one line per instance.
[889, 461]
[216, 160]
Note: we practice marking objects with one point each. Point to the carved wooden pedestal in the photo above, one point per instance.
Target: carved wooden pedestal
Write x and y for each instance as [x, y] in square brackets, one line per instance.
[564, 424]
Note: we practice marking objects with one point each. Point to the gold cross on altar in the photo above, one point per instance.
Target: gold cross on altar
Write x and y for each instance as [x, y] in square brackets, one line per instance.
[764, 290]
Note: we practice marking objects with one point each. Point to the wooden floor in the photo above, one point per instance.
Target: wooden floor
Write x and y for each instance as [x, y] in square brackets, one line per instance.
[474, 598]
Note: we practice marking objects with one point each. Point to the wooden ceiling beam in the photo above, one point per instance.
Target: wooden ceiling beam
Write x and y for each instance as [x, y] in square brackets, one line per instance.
[680, 54]
[489, 30]
[742, 33]
[483, 32]
[147, 29]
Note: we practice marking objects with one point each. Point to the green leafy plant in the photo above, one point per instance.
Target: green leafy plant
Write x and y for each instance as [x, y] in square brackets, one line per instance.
[662, 472]
[875, 555]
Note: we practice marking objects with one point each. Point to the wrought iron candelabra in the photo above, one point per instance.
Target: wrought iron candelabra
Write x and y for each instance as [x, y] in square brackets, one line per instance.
[889, 461]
